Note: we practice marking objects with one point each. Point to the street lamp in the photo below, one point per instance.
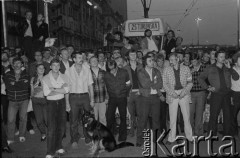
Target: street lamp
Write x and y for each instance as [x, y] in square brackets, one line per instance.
[146, 6]
[4, 23]
[198, 20]
[89, 3]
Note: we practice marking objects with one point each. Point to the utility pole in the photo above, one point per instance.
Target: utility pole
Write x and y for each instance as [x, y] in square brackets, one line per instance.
[146, 6]
[4, 23]
[238, 39]
[145, 9]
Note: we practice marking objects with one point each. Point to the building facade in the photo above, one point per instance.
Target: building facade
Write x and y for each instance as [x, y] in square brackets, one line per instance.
[78, 22]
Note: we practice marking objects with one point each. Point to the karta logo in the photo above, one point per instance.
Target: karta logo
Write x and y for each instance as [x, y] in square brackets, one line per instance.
[182, 147]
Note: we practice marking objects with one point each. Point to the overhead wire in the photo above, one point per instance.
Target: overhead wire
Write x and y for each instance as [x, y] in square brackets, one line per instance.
[186, 13]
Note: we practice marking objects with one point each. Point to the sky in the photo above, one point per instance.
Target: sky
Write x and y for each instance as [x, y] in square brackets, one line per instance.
[218, 24]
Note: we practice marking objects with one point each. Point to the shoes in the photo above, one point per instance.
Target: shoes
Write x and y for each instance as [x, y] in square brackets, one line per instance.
[22, 139]
[60, 152]
[74, 145]
[43, 138]
[31, 131]
[7, 149]
[49, 156]
[17, 133]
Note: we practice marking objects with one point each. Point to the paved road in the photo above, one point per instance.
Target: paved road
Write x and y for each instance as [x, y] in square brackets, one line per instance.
[34, 148]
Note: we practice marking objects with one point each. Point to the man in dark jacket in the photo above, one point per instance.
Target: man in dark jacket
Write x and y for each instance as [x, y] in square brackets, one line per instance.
[150, 83]
[40, 33]
[17, 86]
[65, 64]
[118, 84]
[219, 77]
[25, 29]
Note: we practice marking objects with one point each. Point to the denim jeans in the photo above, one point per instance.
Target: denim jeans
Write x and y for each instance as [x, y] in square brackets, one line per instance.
[12, 111]
[4, 102]
[40, 111]
[78, 103]
[196, 111]
[56, 123]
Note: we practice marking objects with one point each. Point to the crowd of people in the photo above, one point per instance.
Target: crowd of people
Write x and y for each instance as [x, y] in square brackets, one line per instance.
[146, 85]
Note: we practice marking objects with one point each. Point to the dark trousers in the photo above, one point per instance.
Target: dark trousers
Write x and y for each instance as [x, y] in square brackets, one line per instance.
[163, 114]
[78, 103]
[38, 45]
[27, 44]
[132, 104]
[220, 101]
[56, 123]
[148, 105]
[121, 104]
[4, 136]
[236, 108]
[4, 102]
[40, 111]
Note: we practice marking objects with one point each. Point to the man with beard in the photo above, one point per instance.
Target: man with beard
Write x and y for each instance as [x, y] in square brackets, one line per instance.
[149, 43]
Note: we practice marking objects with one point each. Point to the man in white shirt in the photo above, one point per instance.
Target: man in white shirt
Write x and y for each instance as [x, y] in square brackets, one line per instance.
[26, 32]
[149, 43]
[81, 96]
[55, 86]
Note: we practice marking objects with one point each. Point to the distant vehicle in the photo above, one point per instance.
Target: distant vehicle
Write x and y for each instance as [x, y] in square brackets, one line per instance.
[135, 28]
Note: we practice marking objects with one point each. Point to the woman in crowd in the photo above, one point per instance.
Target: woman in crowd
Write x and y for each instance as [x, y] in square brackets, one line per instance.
[39, 101]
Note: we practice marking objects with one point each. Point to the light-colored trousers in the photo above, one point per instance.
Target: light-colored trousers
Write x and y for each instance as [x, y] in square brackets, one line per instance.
[173, 110]
[100, 112]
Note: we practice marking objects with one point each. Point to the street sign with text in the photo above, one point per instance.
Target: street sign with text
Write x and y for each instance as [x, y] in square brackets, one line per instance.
[138, 26]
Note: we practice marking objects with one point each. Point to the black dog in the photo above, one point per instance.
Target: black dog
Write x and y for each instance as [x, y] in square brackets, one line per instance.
[102, 138]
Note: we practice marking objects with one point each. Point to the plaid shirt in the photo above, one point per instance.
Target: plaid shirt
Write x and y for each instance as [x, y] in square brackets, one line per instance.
[169, 81]
[99, 87]
[196, 86]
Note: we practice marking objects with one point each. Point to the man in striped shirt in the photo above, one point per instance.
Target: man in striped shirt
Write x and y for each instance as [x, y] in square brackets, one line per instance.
[17, 86]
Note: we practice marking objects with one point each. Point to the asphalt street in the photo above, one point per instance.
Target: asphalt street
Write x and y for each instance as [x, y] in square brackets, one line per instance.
[34, 148]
